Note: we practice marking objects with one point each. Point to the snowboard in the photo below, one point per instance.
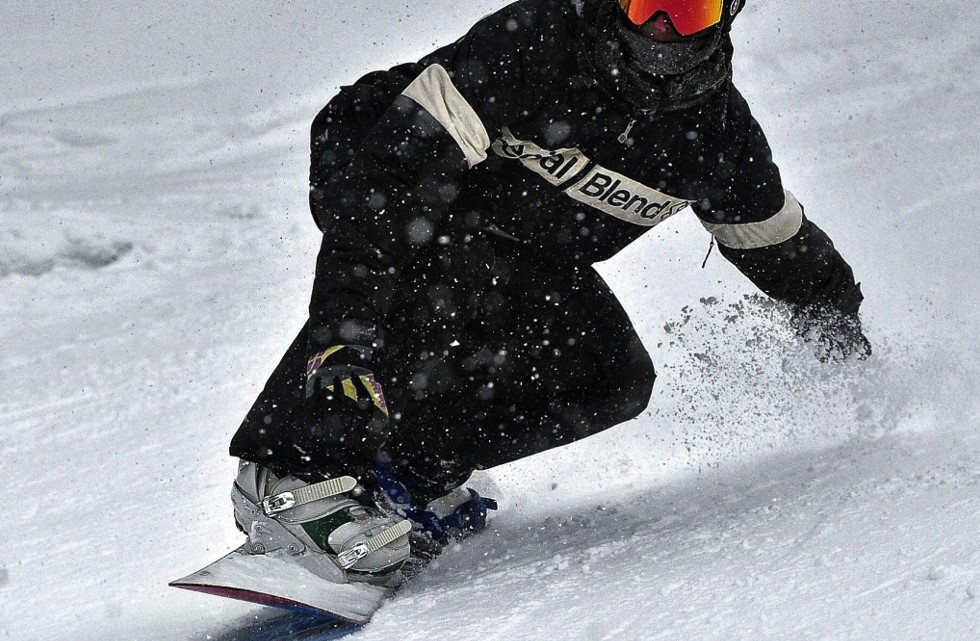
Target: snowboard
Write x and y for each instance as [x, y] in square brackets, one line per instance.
[323, 609]
[322, 604]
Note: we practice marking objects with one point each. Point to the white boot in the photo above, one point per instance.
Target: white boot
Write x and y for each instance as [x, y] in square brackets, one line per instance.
[323, 525]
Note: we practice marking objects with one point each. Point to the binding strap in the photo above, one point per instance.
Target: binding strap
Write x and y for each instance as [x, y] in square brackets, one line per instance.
[283, 501]
[348, 558]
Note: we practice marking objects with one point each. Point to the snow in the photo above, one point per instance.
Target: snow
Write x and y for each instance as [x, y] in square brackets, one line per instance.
[156, 257]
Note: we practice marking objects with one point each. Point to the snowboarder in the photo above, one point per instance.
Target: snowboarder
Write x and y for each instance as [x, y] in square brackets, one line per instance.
[456, 322]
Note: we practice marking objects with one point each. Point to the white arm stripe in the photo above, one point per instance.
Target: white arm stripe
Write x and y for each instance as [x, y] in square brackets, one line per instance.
[777, 229]
[434, 91]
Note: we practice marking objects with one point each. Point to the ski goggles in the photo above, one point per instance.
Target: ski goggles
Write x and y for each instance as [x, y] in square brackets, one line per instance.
[687, 16]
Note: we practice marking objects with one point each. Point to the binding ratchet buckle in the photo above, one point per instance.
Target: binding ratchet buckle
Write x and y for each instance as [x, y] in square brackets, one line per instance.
[283, 501]
[348, 558]
[273, 505]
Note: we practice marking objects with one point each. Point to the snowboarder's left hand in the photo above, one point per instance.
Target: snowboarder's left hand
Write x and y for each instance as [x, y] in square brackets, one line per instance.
[835, 335]
[345, 404]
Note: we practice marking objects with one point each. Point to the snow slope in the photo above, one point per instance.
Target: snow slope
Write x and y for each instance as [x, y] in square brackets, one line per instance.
[156, 256]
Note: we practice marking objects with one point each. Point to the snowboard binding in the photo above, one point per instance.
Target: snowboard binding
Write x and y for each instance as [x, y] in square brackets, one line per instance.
[316, 545]
[327, 518]
[330, 546]
[452, 517]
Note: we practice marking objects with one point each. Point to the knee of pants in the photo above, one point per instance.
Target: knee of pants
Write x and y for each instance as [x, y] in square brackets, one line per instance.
[636, 388]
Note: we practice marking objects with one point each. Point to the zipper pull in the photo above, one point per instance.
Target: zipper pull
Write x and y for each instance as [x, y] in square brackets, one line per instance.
[710, 247]
[623, 137]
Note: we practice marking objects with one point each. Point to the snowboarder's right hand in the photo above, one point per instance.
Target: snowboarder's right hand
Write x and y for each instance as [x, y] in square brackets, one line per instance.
[346, 407]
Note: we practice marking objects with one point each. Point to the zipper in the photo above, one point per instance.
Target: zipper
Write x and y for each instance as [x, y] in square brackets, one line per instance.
[623, 137]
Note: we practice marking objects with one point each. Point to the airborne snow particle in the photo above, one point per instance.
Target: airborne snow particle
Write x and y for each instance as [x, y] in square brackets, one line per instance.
[377, 201]
[4, 577]
[419, 231]
[557, 132]
[419, 381]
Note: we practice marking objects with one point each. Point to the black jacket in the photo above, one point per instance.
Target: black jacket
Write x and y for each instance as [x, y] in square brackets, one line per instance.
[504, 132]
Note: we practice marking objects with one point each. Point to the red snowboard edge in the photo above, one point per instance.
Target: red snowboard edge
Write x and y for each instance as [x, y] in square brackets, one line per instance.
[259, 598]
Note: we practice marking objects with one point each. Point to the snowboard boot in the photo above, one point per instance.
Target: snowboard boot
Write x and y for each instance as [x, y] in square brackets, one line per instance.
[437, 521]
[331, 527]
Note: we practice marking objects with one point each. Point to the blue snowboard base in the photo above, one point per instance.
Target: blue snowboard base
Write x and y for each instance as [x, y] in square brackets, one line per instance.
[288, 625]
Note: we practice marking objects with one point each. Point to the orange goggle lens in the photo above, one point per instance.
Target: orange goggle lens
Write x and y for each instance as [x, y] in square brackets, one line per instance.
[687, 16]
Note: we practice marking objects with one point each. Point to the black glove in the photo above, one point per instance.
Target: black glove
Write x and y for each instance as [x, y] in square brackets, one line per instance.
[345, 409]
[836, 335]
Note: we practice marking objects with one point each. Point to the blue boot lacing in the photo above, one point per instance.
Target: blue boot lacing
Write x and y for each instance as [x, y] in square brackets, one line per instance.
[468, 518]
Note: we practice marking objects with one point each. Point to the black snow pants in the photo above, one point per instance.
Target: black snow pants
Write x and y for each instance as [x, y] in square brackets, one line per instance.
[491, 353]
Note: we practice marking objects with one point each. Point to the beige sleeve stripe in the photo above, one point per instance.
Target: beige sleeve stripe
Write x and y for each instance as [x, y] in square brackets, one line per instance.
[434, 91]
[777, 229]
